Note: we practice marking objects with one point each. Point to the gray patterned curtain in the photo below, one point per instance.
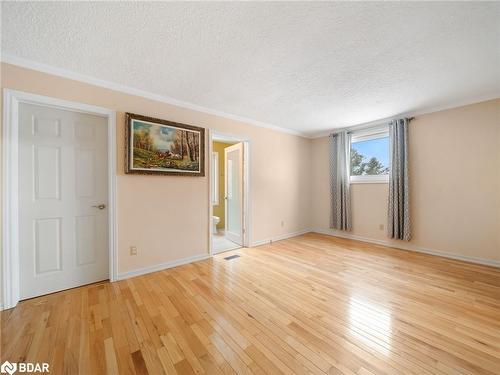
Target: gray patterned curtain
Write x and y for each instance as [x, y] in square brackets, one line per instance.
[398, 215]
[340, 150]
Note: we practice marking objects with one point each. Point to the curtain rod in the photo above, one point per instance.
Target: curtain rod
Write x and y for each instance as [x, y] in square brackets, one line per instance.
[369, 125]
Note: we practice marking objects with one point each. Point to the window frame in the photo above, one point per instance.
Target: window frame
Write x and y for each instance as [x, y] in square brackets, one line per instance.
[215, 178]
[368, 135]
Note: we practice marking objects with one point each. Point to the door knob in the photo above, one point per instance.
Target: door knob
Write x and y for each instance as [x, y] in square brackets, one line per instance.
[101, 206]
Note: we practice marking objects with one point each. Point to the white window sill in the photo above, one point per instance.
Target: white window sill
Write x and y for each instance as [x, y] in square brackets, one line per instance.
[369, 179]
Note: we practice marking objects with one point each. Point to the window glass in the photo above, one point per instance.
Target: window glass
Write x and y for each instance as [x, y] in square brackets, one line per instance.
[370, 157]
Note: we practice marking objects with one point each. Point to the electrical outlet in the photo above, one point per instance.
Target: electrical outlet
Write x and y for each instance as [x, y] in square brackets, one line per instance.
[133, 250]
[381, 226]
[282, 223]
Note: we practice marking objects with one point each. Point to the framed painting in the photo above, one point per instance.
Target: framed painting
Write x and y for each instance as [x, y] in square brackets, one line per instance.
[155, 146]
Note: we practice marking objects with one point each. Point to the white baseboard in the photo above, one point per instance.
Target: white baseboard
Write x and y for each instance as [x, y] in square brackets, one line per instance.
[402, 246]
[411, 247]
[162, 266]
[280, 237]
[196, 258]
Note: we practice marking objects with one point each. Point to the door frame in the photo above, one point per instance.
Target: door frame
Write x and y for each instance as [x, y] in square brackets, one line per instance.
[10, 177]
[247, 215]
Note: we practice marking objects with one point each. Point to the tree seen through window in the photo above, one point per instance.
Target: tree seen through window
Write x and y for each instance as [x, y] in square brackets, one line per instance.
[370, 157]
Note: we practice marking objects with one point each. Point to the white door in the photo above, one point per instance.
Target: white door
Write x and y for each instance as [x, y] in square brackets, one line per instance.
[233, 161]
[63, 190]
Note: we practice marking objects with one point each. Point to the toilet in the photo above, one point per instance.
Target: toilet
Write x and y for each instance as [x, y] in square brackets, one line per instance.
[215, 221]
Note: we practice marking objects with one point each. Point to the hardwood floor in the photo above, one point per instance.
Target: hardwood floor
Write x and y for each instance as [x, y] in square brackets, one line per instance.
[310, 304]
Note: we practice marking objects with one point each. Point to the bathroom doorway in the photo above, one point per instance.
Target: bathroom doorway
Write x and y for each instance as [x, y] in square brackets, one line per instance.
[228, 193]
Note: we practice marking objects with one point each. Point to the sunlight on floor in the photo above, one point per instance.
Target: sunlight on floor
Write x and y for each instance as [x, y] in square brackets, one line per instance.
[371, 323]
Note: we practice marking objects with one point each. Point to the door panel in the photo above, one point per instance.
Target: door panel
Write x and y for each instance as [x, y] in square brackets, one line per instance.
[50, 127]
[47, 165]
[234, 192]
[84, 171]
[85, 239]
[47, 245]
[62, 174]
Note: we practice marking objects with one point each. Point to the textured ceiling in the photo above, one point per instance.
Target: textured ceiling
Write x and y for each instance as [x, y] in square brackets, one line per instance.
[304, 66]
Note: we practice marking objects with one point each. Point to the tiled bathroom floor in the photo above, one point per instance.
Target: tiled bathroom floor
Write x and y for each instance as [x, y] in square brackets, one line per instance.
[221, 243]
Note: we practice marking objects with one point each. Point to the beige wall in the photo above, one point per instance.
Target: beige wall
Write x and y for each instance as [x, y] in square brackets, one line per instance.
[455, 209]
[170, 220]
[454, 179]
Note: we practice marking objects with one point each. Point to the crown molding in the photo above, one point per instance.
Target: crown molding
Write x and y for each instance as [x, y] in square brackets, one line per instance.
[64, 73]
[49, 69]
[420, 112]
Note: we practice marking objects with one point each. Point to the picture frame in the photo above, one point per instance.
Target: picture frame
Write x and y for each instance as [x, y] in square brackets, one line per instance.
[161, 147]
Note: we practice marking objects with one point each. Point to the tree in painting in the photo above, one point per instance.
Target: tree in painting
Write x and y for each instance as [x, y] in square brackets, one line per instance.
[165, 147]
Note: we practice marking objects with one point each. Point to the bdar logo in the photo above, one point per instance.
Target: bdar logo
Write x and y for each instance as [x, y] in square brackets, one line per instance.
[8, 367]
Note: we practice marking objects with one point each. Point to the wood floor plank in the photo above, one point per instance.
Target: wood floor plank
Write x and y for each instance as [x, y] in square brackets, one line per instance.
[111, 362]
[311, 304]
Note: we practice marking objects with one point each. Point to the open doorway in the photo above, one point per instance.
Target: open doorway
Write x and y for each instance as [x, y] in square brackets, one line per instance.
[228, 195]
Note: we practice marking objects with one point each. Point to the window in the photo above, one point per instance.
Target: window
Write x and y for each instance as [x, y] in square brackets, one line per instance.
[215, 178]
[370, 160]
